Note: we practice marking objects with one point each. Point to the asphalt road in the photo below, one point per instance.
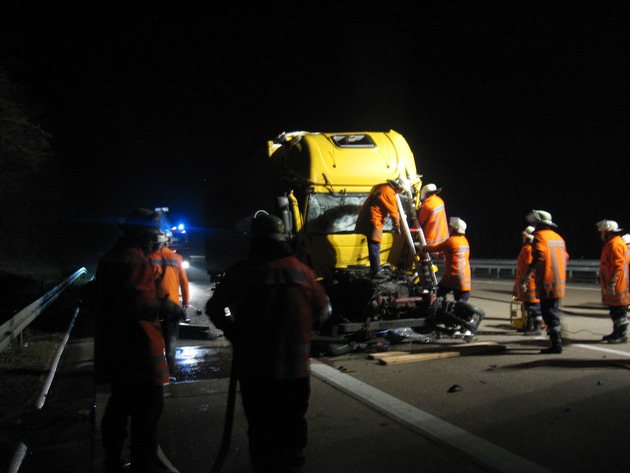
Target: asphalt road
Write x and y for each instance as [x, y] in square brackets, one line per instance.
[513, 410]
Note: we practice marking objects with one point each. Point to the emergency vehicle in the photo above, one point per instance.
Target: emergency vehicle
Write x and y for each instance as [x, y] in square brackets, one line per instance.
[177, 236]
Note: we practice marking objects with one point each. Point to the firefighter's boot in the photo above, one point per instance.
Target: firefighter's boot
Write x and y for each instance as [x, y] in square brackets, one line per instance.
[533, 325]
[612, 335]
[556, 343]
[620, 336]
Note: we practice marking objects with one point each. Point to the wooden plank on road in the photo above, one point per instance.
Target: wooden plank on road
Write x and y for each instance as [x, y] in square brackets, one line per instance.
[446, 352]
[447, 347]
[385, 354]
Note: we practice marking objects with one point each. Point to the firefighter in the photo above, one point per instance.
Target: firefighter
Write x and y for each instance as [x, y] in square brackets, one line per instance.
[549, 270]
[456, 250]
[528, 297]
[171, 281]
[128, 345]
[274, 301]
[614, 279]
[432, 215]
[380, 204]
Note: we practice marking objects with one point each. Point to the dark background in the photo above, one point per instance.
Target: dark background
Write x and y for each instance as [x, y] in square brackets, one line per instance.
[508, 108]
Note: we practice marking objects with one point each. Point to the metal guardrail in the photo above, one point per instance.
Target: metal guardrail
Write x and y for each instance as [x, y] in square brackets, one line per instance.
[13, 328]
[498, 268]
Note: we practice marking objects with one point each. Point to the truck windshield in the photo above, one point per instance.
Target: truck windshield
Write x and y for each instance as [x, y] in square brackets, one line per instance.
[326, 213]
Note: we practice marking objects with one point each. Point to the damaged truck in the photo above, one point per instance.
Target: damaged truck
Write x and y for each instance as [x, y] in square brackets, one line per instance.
[317, 182]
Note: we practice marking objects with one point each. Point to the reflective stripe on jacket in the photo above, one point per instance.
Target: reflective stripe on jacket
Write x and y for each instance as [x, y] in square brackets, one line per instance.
[432, 218]
[456, 252]
[170, 275]
[550, 263]
[614, 269]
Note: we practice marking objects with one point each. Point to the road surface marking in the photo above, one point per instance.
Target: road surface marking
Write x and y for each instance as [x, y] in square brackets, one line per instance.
[479, 451]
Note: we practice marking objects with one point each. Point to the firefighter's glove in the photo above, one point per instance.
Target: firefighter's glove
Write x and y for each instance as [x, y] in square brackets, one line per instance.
[171, 312]
[524, 284]
[611, 290]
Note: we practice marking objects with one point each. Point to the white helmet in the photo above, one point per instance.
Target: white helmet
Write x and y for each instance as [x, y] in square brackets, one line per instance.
[429, 189]
[458, 225]
[608, 226]
[626, 238]
[528, 233]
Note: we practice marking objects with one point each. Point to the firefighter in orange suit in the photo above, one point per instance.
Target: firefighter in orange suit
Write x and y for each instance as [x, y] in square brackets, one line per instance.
[613, 278]
[380, 204]
[528, 297]
[456, 250]
[432, 215]
[171, 283]
[274, 302]
[549, 269]
[128, 344]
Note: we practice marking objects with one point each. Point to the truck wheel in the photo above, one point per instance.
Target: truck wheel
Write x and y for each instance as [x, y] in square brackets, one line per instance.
[324, 324]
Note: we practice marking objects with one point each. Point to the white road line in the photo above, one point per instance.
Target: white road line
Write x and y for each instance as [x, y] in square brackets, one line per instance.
[479, 451]
[607, 350]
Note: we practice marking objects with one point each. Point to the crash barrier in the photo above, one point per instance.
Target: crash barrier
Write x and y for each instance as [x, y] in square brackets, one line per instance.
[578, 270]
[12, 329]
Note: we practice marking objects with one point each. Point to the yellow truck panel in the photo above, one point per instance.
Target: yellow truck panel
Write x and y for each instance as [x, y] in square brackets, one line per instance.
[342, 161]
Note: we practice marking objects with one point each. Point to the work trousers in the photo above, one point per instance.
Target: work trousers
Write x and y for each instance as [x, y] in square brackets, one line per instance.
[458, 295]
[277, 426]
[551, 313]
[140, 404]
[171, 338]
[619, 315]
[533, 310]
[374, 255]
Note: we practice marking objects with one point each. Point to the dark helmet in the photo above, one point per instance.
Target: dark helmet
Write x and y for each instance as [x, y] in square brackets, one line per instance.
[143, 222]
[396, 184]
[265, 226]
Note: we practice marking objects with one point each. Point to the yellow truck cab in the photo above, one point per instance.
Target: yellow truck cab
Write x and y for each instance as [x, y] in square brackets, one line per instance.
[327, 177]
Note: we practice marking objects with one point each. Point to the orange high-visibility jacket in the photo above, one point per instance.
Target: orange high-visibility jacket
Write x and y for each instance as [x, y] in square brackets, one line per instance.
[432, 218]
[380, 203]
[275, 301]
[456, 252]
[170, 275]
[613, 265]
[128, 339]
[522, 264]
[549, 260]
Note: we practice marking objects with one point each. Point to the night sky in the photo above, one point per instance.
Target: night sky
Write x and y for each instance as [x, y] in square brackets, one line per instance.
[511, 108]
